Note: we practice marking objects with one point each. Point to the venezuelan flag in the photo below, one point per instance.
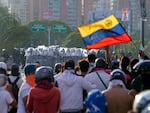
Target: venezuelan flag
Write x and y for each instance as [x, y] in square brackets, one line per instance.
[103, 33]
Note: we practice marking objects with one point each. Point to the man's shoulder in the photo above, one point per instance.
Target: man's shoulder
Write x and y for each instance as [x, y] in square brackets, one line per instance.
[24, 86]
[91, 73]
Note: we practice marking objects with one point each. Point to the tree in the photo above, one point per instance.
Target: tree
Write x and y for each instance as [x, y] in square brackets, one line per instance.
[73, 40]
[8, 25]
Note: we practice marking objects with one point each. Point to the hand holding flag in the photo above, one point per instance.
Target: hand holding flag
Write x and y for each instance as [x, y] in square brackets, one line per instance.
[103, 33]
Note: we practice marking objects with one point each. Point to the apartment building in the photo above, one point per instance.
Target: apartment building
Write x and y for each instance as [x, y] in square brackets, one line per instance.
[68, 11]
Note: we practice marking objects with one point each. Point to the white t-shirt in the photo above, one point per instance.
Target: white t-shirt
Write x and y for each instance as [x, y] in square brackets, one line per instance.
[94, 79]
[13, 78]
[5, 100]
[23, 91]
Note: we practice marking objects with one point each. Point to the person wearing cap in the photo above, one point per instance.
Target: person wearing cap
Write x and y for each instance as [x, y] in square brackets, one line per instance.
[119, 98]
[27, 84]
[71, 89]
[44, 97]
[100, 75]
[6, 97]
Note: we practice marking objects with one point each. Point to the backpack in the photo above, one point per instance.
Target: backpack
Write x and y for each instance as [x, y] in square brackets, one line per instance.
[15, 88]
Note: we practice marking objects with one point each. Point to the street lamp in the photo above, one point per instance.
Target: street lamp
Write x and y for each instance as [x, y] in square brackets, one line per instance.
[49, 31]
[143, 16]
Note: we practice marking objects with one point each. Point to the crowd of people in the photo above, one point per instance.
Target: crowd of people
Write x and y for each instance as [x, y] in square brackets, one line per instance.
[95, 85]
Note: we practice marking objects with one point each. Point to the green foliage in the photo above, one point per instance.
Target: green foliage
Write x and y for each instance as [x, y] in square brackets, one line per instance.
[3, 11]
[8, 26]
[13, 34]
[74, 40]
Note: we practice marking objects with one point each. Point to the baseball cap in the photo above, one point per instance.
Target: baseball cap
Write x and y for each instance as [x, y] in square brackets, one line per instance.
[3, 65]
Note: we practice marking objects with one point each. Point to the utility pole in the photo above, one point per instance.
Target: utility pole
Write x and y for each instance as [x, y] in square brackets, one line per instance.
[49, 33]
[143, 16]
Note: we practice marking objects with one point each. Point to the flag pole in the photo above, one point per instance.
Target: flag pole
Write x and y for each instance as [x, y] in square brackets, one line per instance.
[143, 16]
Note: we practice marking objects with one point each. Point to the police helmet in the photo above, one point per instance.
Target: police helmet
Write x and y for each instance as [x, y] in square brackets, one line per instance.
[44, 73]
[141, 102]
[95, 102]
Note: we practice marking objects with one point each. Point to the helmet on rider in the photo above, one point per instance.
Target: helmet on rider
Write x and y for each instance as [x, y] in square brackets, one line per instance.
[44, 73]
[141, 102]
[143, 69]
[100, 63]
[95, 102]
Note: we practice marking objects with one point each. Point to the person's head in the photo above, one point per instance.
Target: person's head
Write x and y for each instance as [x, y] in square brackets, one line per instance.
[142, 68]
[91, 57]
[100, 63]
[83, 65]
[3, 68]
[141, 102]
[133, 62]
[3, 80]
[29, 69]
[37, 64]
[58, 68]
[115, 64]
[70, 64]
[44, 73]
[118, 76]
[124, 62]
[15, 70]
[142, 55]
[95, 102]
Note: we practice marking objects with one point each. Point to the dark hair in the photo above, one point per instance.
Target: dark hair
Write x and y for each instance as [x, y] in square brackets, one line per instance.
[125, 61]
[3, 71]
[14, 70]
[69, 64]
[30, 69]
[84, 65]
[133, 62]
[91, 57]
[58, 67]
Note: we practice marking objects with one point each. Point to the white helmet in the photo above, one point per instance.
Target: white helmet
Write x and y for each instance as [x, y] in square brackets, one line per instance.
[141, 103]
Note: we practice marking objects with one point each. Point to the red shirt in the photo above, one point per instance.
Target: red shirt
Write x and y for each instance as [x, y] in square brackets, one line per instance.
[43, 100]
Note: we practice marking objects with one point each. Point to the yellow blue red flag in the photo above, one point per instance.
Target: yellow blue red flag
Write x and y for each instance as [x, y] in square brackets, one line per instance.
[103, 33]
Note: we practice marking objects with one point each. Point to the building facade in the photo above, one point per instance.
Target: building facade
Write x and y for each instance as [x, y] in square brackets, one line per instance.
[68, 11]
